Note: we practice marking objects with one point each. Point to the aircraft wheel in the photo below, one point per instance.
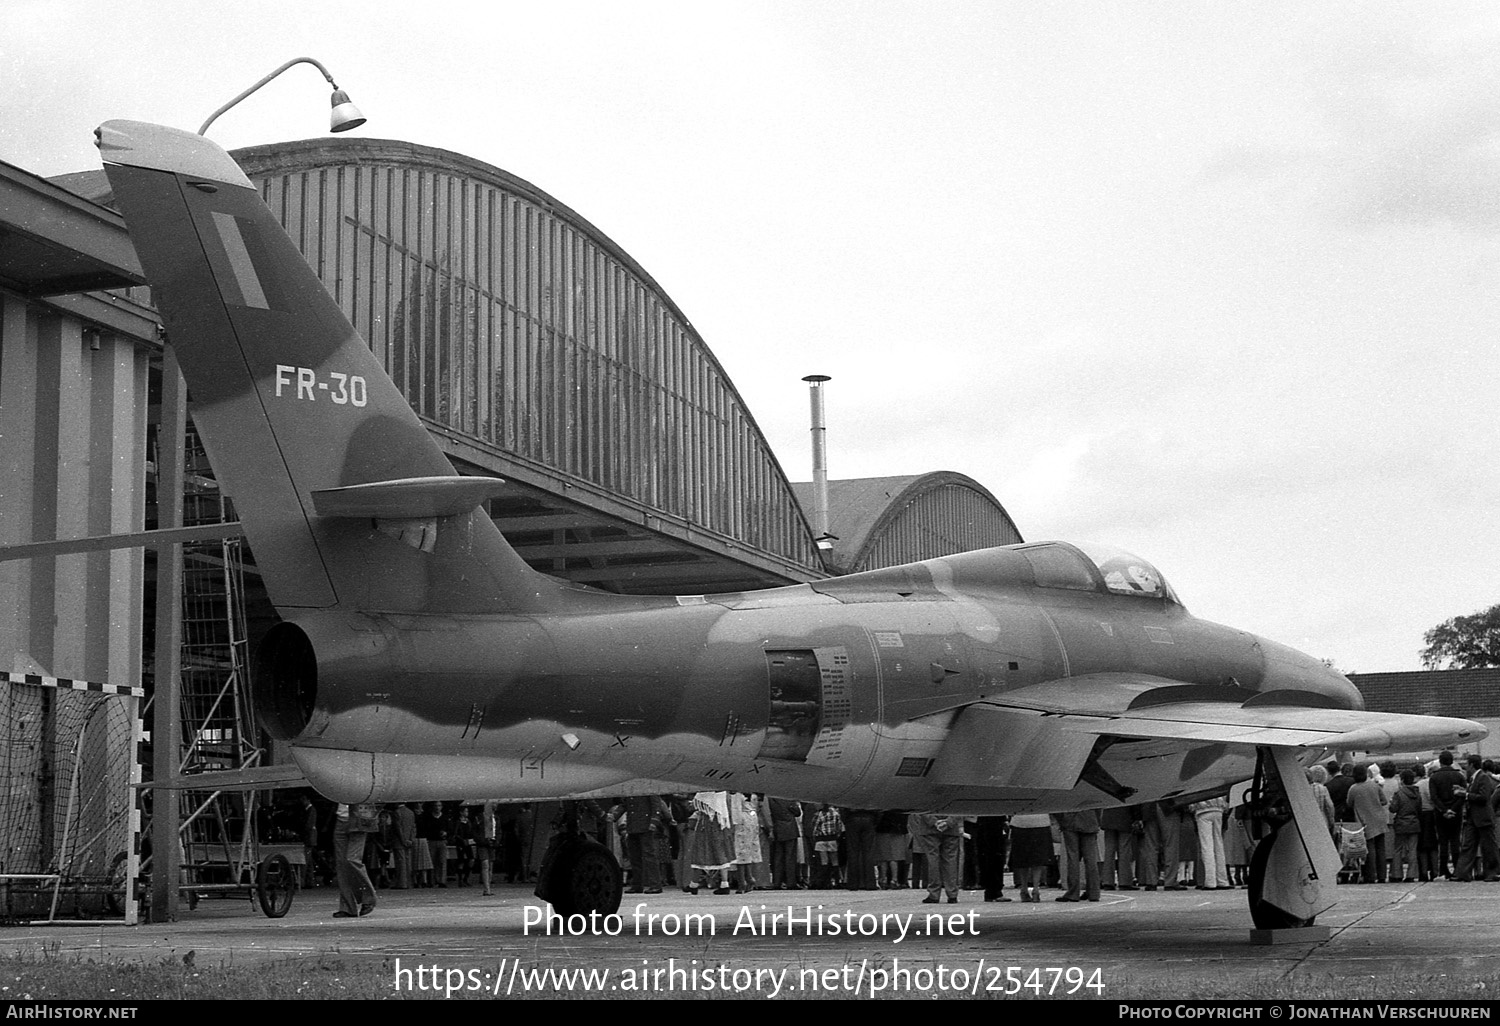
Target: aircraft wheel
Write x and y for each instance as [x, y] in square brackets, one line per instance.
[1266, 916]
[115, 898]
[585, 878]
[275, 884]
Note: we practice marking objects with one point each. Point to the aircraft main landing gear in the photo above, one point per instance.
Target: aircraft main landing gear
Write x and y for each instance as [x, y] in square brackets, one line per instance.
[579, 877]
[1294, 868]
[1263, 914]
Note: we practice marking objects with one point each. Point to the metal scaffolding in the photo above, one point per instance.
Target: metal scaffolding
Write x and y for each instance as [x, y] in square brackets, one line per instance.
[218, 727]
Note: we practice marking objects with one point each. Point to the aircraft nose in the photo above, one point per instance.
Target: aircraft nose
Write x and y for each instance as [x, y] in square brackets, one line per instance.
[1343, 689]
[1290, 670]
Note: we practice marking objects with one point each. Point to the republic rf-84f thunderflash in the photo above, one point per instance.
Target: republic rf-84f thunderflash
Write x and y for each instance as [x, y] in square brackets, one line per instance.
[419, 658]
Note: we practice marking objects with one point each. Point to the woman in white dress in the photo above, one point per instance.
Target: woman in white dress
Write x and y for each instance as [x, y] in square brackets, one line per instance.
[712, 844]
[746, 822]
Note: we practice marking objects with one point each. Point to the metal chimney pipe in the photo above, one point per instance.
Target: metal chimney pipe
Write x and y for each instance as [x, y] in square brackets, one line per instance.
[820, 458]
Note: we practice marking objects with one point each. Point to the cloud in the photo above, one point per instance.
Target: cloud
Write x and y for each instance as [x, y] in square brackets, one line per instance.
[1404, 129]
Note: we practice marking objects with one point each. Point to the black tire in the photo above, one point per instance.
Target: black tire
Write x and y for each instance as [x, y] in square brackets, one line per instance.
[275, 885]
[1266, 916]
[585, 878]
[115, 898]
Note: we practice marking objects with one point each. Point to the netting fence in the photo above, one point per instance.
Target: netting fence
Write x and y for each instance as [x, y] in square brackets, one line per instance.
[70, 824]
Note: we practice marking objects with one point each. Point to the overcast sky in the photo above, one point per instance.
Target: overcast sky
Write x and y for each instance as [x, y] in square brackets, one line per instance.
[1215, 283]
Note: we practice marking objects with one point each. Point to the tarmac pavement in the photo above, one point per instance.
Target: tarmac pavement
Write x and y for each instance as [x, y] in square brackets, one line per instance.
[1188, 943]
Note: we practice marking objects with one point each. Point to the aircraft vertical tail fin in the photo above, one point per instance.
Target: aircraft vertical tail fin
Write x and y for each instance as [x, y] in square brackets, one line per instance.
[345, 497]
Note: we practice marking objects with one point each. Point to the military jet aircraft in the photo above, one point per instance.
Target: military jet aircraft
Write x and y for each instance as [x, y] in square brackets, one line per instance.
[419, 658]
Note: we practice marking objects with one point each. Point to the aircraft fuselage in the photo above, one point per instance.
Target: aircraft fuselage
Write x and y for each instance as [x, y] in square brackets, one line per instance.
[841, 691]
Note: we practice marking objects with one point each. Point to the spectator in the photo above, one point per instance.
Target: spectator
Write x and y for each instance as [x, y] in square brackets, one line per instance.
[404, 824]
[1208, 819]
[712, 845]
[486, 847]
[1157, 858]
[1190, 857]
[1446, 786]
[859, 841]
[1366, 803]
[1427, 845]
[992, 839]
[1478, 835]
[512, 850]
[1338, 789]
[784, 816]
[746, 822]
[891, 849]
[809, 867]
[1406, 822]
[1030, 852]
[351, 826]
[1118, 829]
[942, 840]
[1317, 776]
[1080, 836]
[1237, 843]
[921, 862]
[681, 808]
[309, 836]
[432, 828]
[828, 828]
[378, 846]
[763, 820]
[646, 818]
[462, 835]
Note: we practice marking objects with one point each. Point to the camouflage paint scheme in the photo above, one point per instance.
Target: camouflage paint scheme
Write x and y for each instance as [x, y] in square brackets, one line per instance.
[420, 658]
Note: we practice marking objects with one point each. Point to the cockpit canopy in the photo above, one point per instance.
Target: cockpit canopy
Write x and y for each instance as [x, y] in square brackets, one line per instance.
[1083, 566]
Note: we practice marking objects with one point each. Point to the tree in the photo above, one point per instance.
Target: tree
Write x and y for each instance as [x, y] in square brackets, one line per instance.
[1464, 642]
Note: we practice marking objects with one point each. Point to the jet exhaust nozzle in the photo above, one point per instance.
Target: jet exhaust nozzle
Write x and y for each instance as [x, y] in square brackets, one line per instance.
[284, 679]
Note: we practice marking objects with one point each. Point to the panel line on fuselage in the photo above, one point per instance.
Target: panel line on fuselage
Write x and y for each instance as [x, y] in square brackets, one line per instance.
[1067, 669]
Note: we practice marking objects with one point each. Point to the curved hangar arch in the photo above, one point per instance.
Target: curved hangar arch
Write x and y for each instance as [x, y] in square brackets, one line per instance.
[887, 521]
[537, 350]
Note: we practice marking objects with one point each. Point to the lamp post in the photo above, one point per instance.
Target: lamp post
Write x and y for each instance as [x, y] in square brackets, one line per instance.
[345, 115]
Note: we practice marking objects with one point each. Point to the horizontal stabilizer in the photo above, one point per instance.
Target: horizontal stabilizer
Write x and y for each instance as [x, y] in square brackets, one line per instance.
[407, 498]
[257, 778]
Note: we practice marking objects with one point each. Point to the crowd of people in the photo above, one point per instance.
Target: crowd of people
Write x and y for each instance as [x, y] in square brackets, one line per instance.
[1425, 821]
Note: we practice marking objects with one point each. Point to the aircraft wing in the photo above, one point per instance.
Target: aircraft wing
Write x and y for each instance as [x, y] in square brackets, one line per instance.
[1039, 735]
[1137, 705]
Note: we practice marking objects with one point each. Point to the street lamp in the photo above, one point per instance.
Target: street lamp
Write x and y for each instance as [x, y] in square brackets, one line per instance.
[345, 115]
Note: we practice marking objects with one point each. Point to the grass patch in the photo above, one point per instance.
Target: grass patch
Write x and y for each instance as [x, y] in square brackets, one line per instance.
[49, 974]
[45, 975]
